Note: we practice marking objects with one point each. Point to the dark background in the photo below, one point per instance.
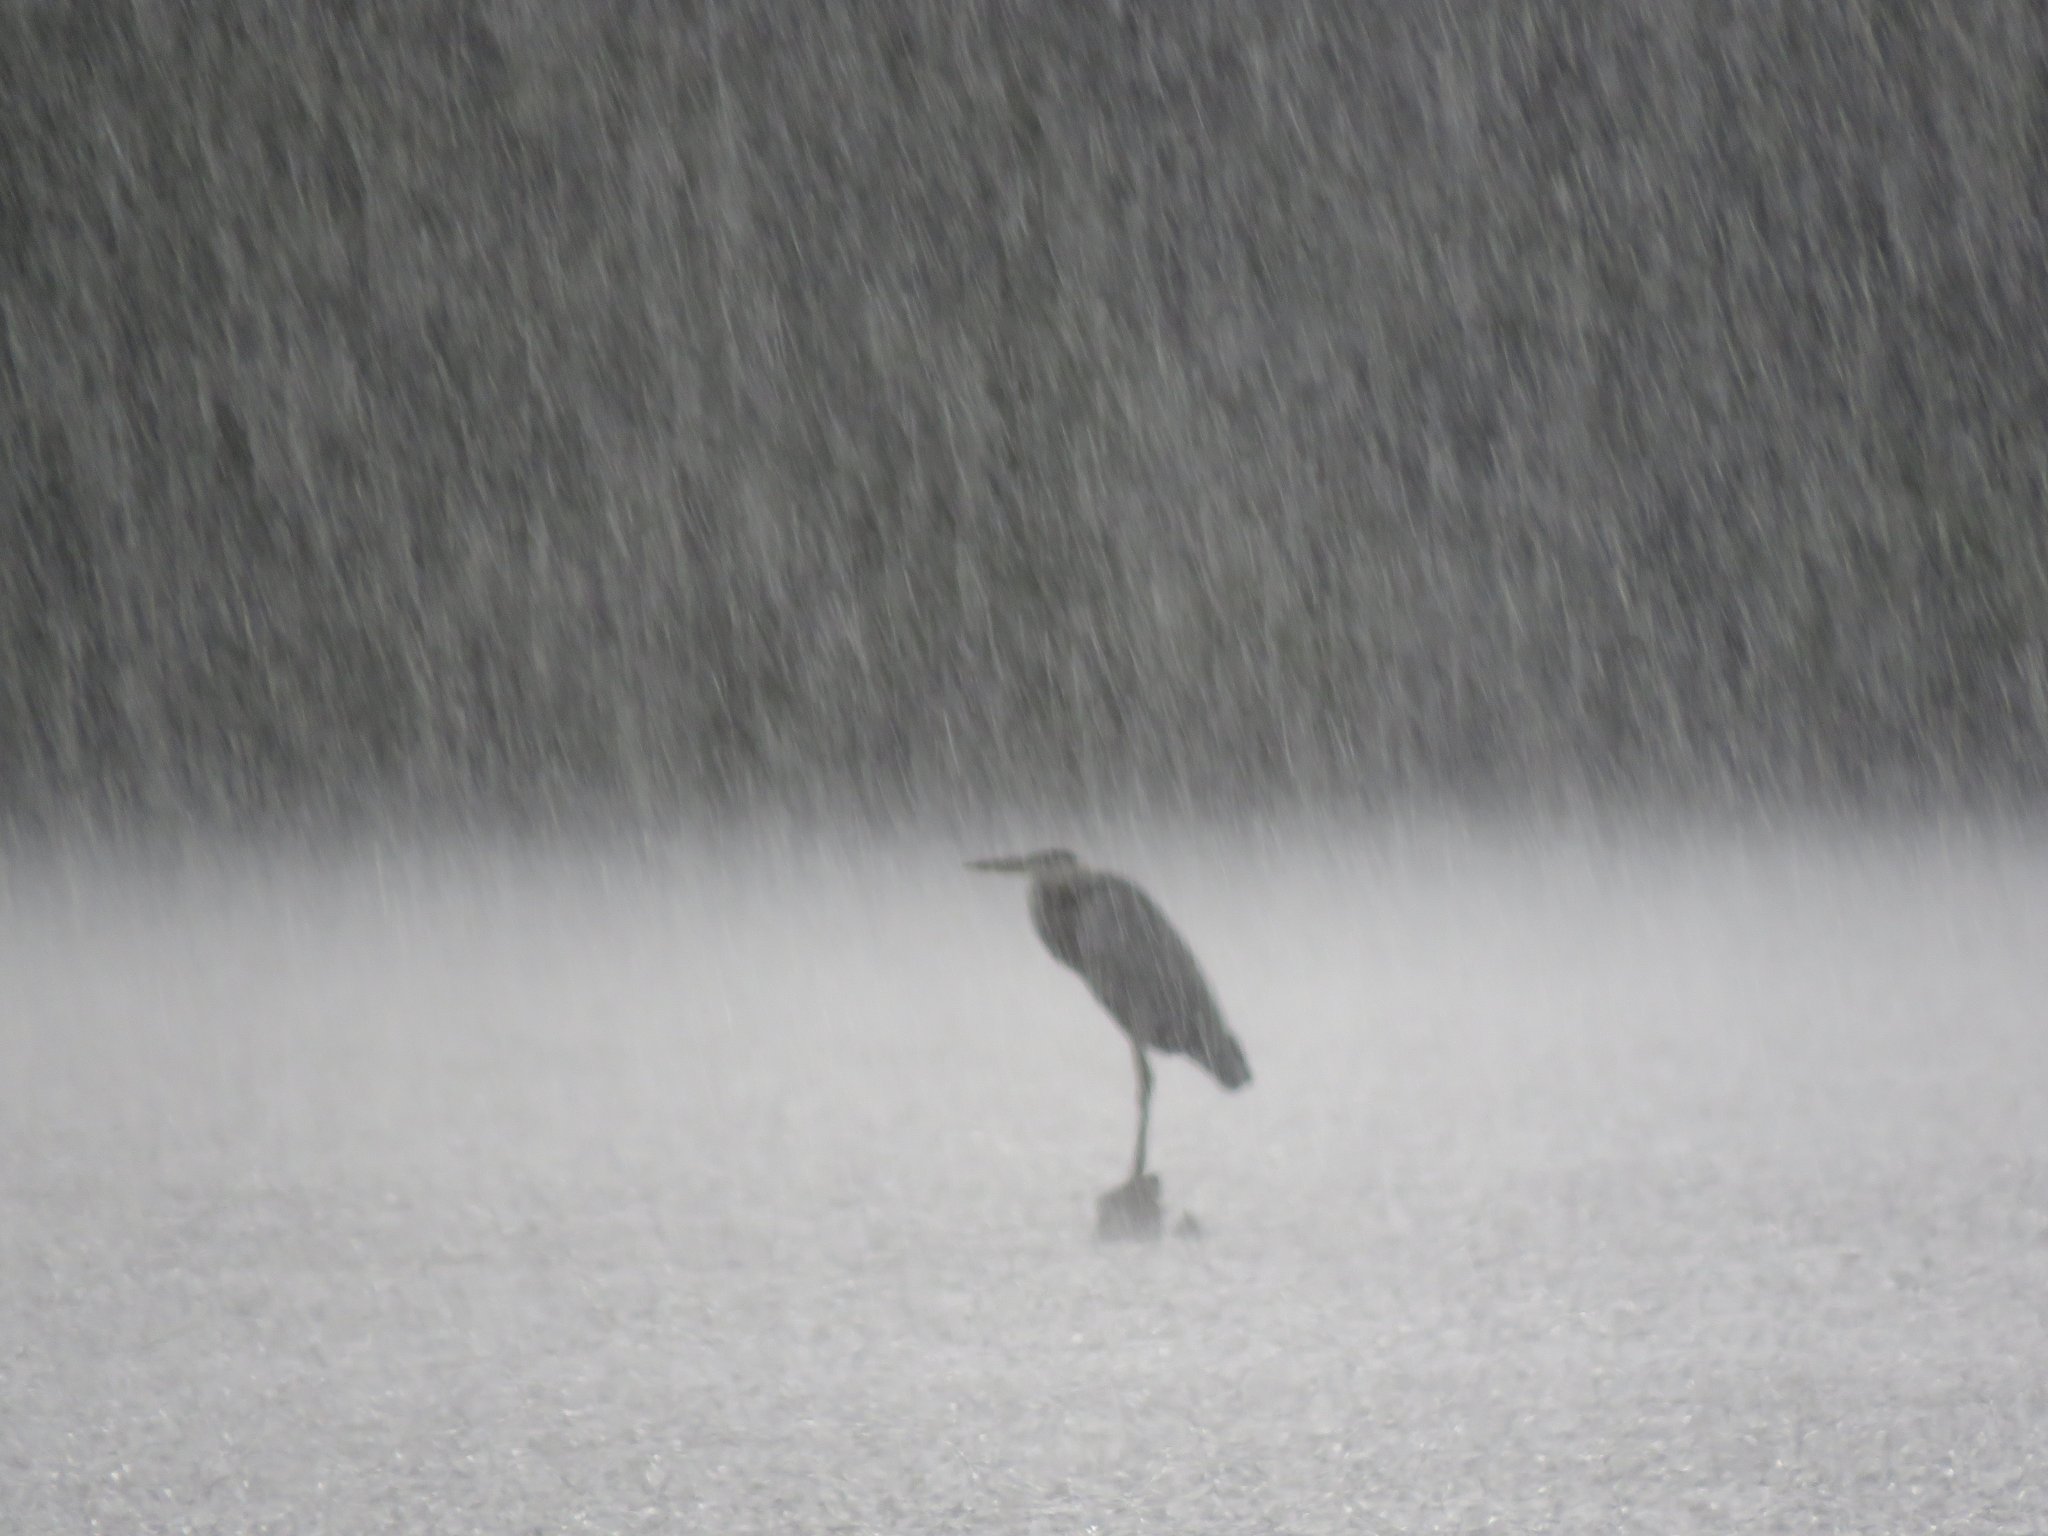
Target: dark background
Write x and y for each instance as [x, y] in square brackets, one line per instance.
[533, 406]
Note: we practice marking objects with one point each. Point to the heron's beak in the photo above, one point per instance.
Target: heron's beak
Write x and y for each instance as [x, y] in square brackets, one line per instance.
[1002, 866]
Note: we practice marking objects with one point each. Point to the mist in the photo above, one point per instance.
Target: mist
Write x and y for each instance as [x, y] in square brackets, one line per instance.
[536, 542]
[1649, 1183]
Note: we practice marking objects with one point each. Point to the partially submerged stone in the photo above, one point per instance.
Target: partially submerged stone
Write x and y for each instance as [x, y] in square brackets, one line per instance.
[1131, 1212]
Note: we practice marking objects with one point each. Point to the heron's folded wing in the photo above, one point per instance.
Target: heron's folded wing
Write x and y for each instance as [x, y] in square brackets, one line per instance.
[1143, 971]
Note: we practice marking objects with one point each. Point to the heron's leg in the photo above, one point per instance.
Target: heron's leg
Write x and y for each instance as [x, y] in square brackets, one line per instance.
[1144, 1107]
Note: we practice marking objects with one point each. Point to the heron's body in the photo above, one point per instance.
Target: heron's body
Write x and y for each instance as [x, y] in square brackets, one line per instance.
[1111, 934]
[1117, 940]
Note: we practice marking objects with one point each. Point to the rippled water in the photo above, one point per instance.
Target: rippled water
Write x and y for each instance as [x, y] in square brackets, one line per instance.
[1691, 1183]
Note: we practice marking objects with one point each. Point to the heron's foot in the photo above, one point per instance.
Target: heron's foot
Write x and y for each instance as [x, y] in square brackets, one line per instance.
[1131, 1211]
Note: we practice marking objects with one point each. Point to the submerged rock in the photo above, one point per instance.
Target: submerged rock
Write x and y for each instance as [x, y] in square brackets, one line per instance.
[1130, 1212]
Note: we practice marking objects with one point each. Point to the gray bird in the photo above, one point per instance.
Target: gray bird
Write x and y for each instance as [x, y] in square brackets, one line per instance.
[1115, 937]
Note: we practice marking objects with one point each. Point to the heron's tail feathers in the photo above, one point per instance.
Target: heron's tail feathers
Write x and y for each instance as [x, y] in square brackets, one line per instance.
[1222, 1055]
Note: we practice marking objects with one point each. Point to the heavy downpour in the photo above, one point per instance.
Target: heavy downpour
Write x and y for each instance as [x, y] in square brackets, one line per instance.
[968, 765]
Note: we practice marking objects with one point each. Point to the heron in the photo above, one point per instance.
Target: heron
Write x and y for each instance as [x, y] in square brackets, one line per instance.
[1114, 936]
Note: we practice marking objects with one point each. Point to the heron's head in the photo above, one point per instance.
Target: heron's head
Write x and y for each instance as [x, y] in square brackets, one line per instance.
[1048, 861]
